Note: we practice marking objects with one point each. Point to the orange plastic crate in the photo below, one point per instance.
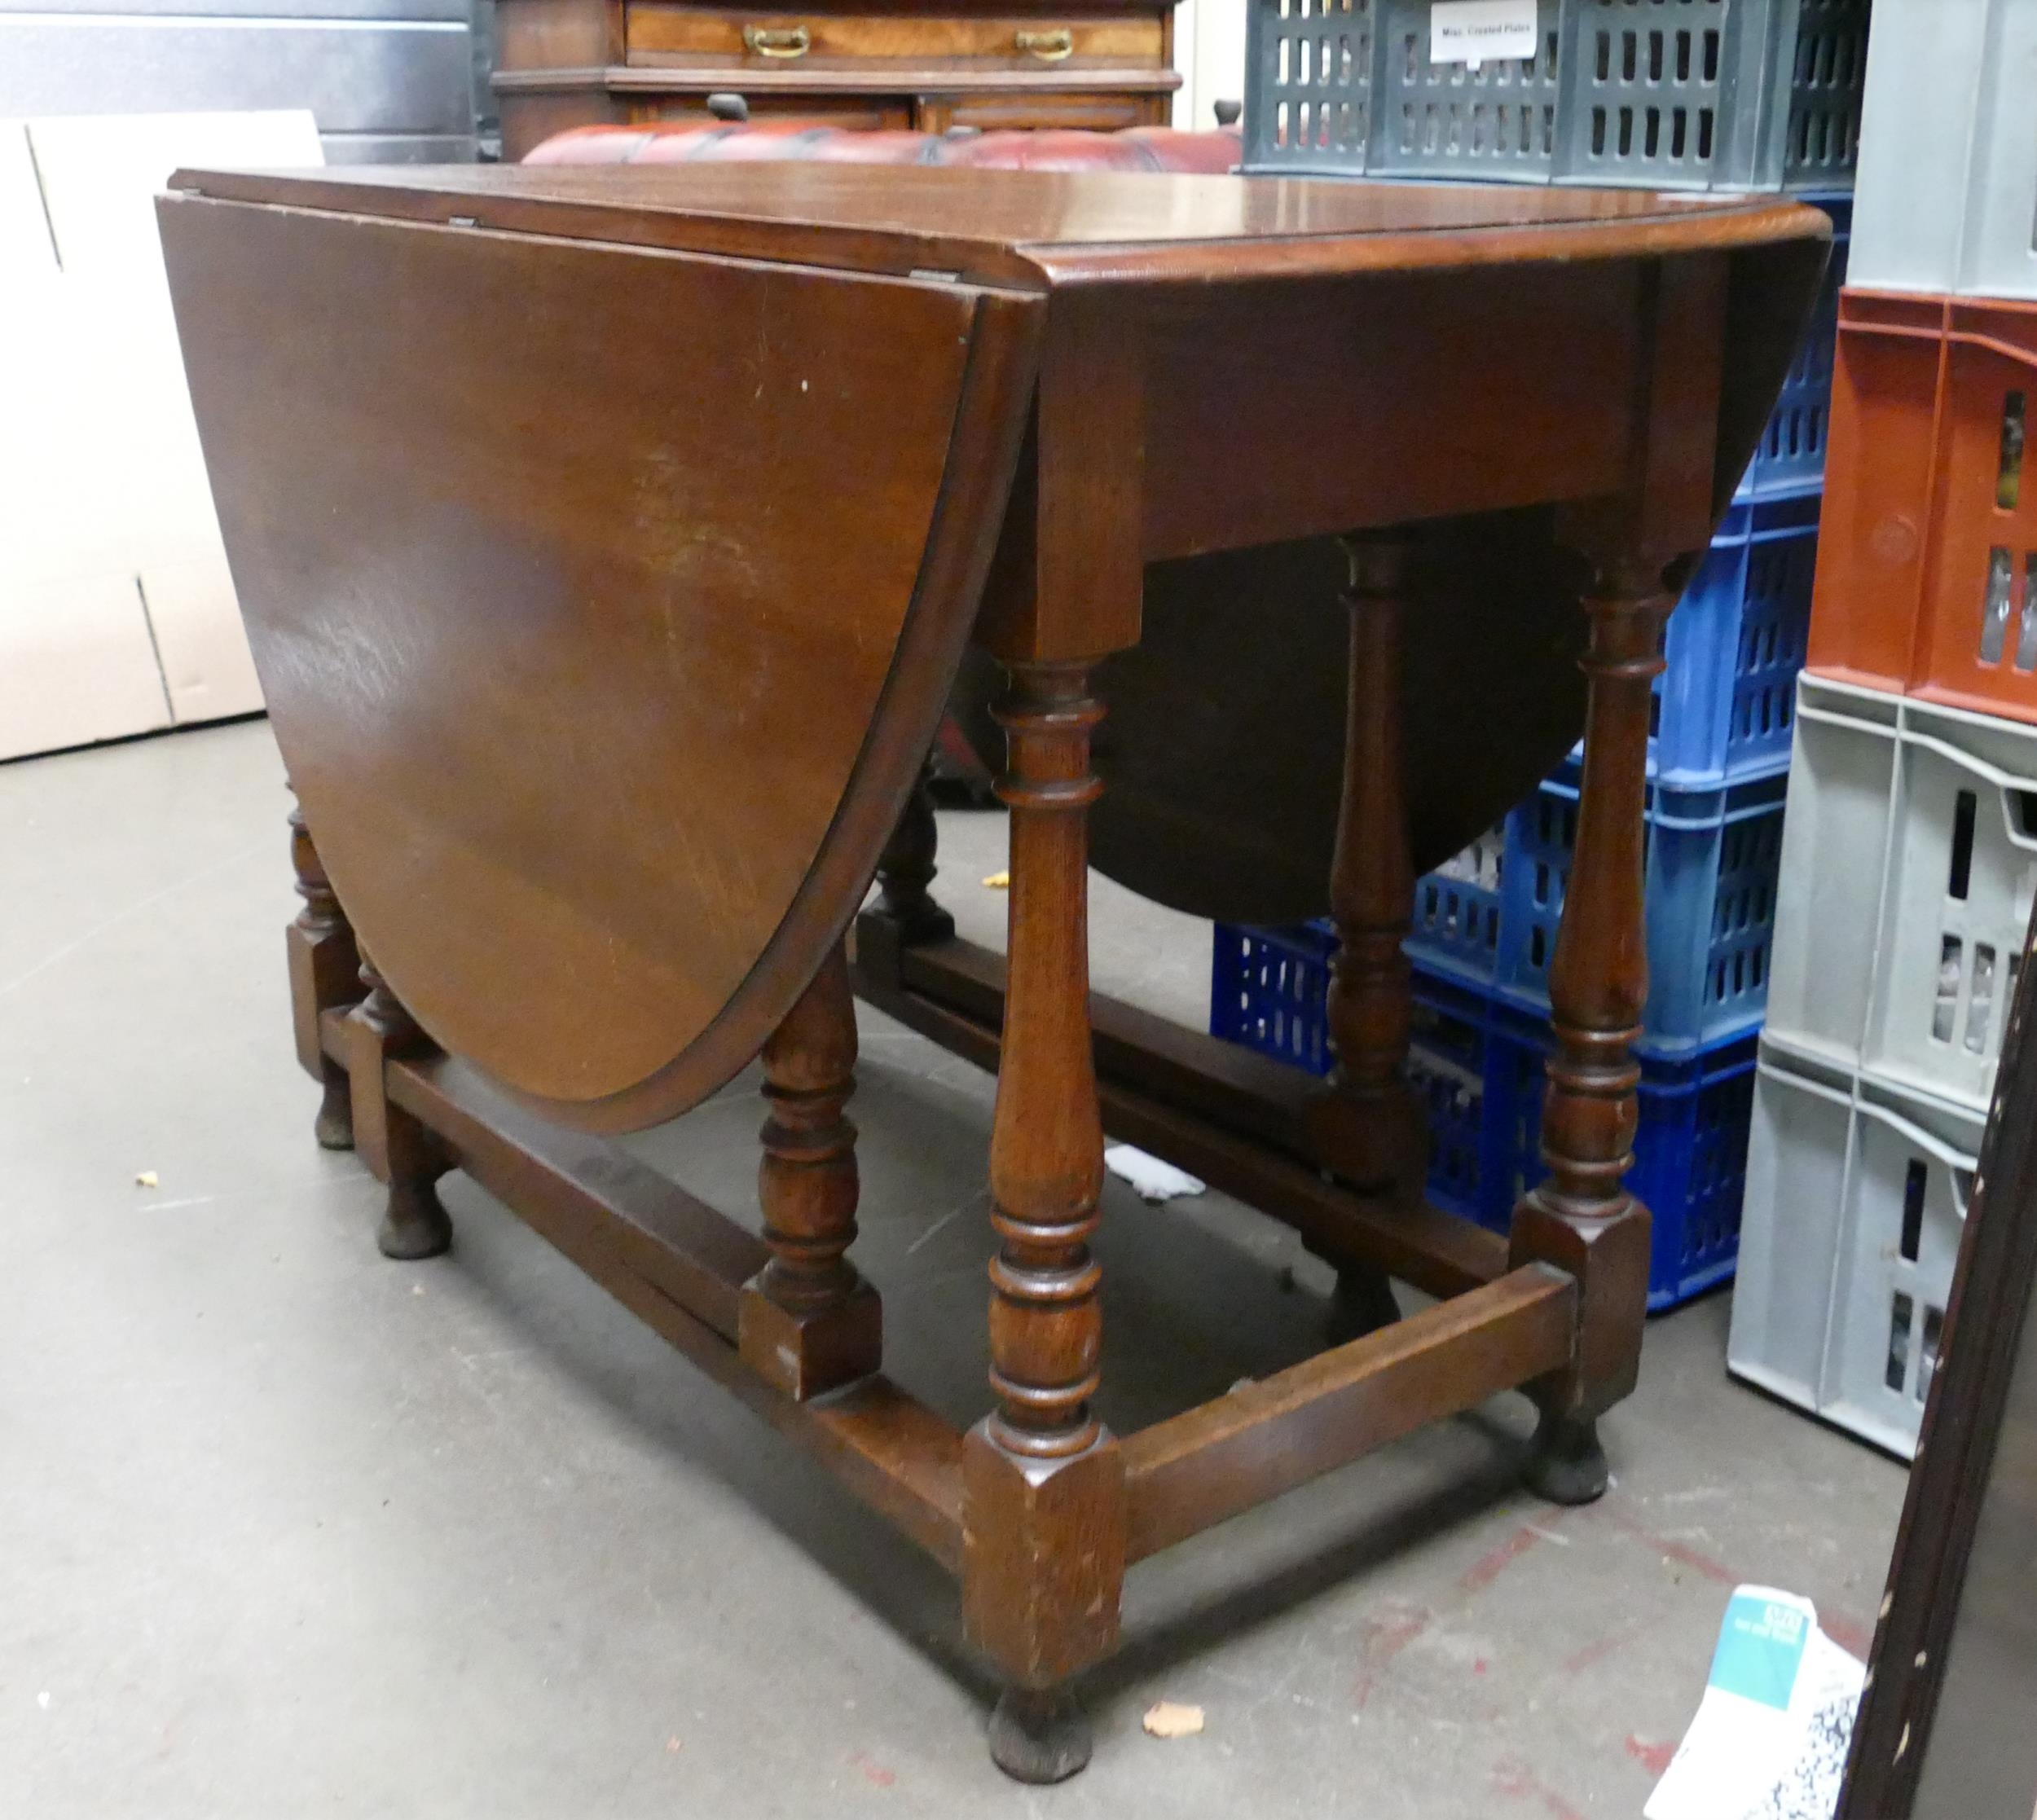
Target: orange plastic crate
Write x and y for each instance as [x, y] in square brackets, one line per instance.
[1927, 561]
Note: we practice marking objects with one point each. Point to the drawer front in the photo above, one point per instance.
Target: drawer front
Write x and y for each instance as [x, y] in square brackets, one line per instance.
[860, 112]
[663, 33]
[997, 113]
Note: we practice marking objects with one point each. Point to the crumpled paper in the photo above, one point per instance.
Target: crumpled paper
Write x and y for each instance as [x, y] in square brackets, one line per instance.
[1769, 1739]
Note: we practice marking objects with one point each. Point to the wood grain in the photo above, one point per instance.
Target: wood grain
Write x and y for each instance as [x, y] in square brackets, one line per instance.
[1036, 228]
[1185, 1475]
[610, 538]
[708, 32]
[517, 741]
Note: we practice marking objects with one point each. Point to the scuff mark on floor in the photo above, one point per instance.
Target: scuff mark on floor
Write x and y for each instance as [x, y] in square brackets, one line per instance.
[1382, 1639]
[1512, 1777]
[1671, 1549]
[1597, 1650]
[1490, 1565]
[873, 1772]
[1652, 1757]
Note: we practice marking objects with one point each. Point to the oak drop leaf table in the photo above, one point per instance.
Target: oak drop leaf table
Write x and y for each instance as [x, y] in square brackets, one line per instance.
[610, 541]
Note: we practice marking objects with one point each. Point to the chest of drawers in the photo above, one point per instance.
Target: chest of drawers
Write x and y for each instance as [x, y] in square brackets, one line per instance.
[1098, 63]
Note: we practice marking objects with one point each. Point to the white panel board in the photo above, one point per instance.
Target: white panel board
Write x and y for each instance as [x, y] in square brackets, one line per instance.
[116, 611]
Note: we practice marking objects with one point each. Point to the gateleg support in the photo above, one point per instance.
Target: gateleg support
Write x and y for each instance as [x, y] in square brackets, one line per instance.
[1044, 1498]
[398, 1149]
[809, 1322]
[325, 965]
[1581, 1218]
[1370, 1127]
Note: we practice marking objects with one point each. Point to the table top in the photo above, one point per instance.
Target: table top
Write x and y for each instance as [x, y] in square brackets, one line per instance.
[606, 602]
[1035, 230]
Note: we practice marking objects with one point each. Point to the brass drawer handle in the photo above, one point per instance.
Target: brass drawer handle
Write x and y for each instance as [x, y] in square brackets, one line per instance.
[1049, 47]
[777, 41]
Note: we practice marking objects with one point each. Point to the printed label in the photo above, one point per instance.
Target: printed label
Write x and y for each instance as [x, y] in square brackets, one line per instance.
[1477, 31]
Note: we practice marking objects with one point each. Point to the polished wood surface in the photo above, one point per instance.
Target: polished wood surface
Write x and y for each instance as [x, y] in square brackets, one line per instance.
[1034, 228]
[819, 40]
[533, 592]
[1192, 1472]
[811, 1322]
[1216, 801]
[901, 63]
[610, 541]
[325, 973]
[1368, 1126]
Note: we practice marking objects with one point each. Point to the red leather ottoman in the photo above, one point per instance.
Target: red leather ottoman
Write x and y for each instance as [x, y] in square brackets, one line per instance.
[679, 142]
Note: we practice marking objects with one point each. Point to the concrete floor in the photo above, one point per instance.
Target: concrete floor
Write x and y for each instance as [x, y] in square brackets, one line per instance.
[286, 1529]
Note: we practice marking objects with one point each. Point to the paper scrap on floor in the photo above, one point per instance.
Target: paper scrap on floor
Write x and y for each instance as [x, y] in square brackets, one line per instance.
[1769, 1739]
[1151, 1179]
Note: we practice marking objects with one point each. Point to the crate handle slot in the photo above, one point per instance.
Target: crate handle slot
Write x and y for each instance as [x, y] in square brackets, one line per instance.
[1768, 1071]
[2006, 782]
[1957, 1160]
[1828, 718]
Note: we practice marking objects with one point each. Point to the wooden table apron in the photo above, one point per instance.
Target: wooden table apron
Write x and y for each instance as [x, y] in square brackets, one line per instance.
[609, 543]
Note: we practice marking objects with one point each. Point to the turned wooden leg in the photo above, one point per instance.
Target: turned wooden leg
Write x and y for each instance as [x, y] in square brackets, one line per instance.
[325, 974]
[1044, 1520]
[1581, 1218]
[808, 1322]
[1370, 1129]
[907, 869]
[397, 1149]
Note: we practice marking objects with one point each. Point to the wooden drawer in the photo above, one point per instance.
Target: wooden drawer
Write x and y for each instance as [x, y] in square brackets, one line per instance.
[1019, 111]
[661, 33]
[530, 118]
[1101, 113]
[862, 112]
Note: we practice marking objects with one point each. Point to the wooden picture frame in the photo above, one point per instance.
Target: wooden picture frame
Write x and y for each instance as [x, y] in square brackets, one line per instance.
[1945, 1726]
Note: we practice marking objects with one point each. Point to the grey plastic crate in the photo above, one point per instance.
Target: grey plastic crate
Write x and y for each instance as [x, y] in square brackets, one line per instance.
[1821, 973]
[1948, 192]
[1909, 863]
[1499, 121]
[1677, 95]
[1855, 1197]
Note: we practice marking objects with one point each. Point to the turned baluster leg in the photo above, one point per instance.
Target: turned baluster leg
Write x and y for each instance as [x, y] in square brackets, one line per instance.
[1044, 1483]
[907, 869]
[809, 1323]
[325, 974]
[1581, 1218]
[397, 1150]
[1371, 1129]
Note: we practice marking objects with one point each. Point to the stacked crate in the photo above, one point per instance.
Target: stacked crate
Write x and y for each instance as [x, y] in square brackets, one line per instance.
[1911, 860]
[1658, 95]
[1681, 95]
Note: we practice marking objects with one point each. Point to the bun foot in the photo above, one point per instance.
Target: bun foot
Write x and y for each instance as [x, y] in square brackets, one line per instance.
[1361, 1303]
[1567, 1464]
[1039, 1735]
[334, 1125]
[415, 1225]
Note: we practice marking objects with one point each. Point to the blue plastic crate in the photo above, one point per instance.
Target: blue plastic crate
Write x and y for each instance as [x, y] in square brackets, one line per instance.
[1725, 703]
[1478, 1063]
[1712, 858]
[1267, 988]
[1457, 908]
[1791, 457]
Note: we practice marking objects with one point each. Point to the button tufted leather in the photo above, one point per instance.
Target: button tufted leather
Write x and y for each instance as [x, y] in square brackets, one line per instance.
[681, 142]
